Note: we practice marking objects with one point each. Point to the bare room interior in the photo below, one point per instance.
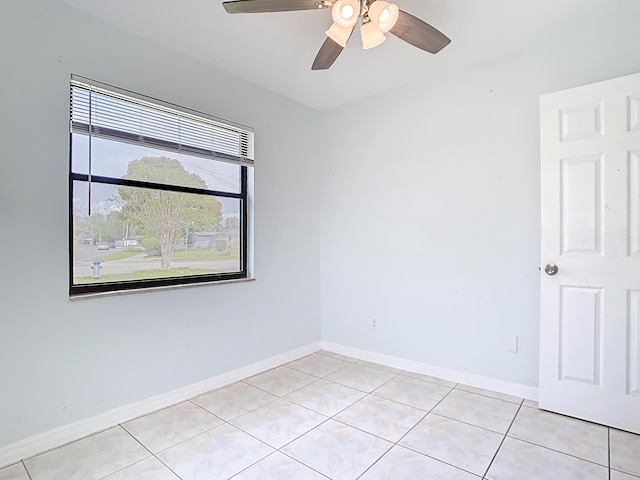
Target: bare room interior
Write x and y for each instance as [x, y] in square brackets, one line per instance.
[431, 283]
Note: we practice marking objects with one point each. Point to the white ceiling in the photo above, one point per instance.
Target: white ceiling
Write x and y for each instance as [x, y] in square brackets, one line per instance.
[275, 50]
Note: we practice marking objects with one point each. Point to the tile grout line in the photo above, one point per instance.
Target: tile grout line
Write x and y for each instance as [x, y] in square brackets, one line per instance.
[486, 472]
[323, 376]
[431, 412]
[457, 467]
[254, 463]
[609, 450]
[243, 413]
[395, 375]
[572, 455]
[341, 410]
[26, 469]
[397, 443]
[279, 397]
[225, 422]
[349, 386]
[168, 467]
[558, 451]
[367, 394]
[181, 441]
[326, 419]
[29, 457]
[467, 423]
[155, 455]
[151, 454]
[303, 464]
[544, 446]
[280, 450]
[376, 461]
[372, 393]
[364, 431]
[393, 444]
[520, 402]
[316, 379]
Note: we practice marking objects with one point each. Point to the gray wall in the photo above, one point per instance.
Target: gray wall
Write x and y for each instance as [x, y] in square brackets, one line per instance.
[61, 361]
[431, 203]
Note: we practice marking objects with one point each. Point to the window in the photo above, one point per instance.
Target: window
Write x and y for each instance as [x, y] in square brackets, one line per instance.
[157, 193]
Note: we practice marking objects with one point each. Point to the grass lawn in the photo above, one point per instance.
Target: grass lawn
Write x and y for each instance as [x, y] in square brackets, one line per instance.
[144, 275]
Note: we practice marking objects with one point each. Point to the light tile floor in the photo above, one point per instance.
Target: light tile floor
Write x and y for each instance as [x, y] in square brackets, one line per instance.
[330, 416]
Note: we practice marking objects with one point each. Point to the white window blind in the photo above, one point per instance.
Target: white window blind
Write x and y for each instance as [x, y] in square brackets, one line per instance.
[103, 111]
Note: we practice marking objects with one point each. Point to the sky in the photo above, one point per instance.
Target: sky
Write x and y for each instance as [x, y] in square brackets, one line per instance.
[109, 158]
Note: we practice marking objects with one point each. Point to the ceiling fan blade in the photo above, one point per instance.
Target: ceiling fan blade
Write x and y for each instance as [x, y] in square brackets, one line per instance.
[419, 34]
[259, 6]
[328, 54]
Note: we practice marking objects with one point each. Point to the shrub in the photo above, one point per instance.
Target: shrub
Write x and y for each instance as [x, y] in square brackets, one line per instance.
[221, 244]
[151, 246]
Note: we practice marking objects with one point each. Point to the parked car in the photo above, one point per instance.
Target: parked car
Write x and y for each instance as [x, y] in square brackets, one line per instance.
[103, 246]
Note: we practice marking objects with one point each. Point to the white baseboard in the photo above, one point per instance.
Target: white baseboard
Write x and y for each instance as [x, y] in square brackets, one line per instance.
[36, 444]
[479, 381]
[42, 442]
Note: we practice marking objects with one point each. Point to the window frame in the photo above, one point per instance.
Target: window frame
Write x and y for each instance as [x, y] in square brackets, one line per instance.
[243, 196]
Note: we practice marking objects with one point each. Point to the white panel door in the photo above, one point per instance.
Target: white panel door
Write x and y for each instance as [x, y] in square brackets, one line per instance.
[590, 306]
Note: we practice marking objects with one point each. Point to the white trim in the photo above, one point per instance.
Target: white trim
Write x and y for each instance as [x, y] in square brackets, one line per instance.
[457, 376]
[37, 444]
[42, 442]
[113, 293]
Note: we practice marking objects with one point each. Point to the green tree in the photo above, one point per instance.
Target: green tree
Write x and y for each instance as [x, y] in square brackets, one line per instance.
[231, 222]
[101, 225]
[162, 212]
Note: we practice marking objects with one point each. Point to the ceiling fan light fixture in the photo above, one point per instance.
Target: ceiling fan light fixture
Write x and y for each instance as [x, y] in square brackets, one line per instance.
[346, 12]
[384, 14]
[378, 17]
[372, 36]
[339, 34]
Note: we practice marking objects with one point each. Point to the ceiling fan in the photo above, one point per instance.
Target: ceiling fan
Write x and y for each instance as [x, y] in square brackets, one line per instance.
[378, 17]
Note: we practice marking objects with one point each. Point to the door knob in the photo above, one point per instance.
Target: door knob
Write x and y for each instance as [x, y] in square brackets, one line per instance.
[551, 269]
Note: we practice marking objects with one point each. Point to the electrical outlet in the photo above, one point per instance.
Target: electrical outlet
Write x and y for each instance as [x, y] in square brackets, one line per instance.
[512, 344]
[374, 323]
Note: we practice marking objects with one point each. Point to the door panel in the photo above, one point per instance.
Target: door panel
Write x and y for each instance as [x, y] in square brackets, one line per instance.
[634, 344]
[634, 112]
[590, 310]
[634, 202]
[580, 335]
[581, 121]
[581, 197]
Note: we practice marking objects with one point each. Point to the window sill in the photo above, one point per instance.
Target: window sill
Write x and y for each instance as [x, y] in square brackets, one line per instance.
[157, 289]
